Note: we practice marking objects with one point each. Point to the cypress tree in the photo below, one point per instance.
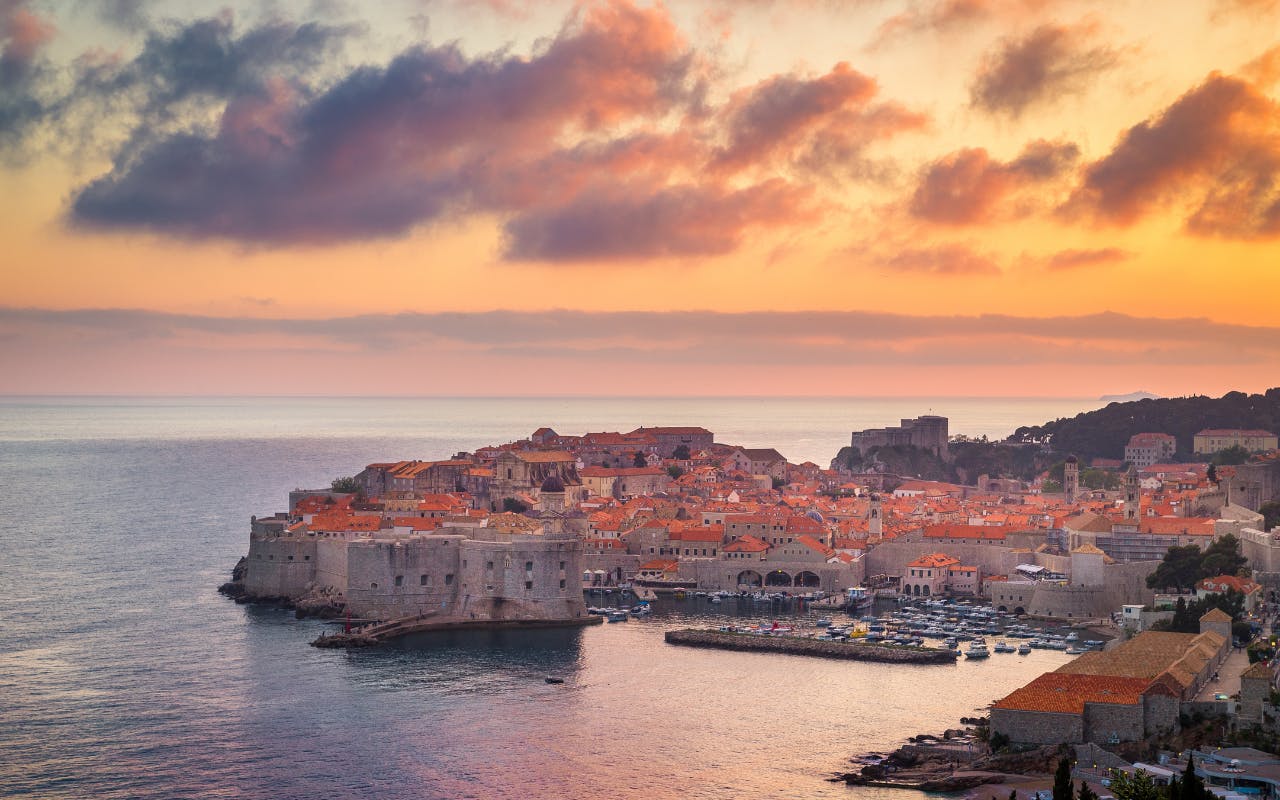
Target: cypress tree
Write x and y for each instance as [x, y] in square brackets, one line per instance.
[1062, 789]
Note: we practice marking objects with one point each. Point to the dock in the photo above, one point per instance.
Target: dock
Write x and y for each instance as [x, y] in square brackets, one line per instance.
[795, 645]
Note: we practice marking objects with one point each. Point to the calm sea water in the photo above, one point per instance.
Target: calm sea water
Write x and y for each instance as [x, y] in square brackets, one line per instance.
[124, 675]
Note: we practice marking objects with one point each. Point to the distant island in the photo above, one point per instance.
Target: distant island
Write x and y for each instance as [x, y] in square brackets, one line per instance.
[1130, 397]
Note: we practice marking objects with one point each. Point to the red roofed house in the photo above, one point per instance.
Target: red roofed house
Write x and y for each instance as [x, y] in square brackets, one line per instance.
[940, 574]
[1068, 708]
[1230, 583]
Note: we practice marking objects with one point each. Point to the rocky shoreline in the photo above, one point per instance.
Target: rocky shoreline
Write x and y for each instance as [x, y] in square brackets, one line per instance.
[726, 640]
[317, 605]
[957, 761]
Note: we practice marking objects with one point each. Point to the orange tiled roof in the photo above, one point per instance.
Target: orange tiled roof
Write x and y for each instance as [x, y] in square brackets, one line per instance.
[1066, 693]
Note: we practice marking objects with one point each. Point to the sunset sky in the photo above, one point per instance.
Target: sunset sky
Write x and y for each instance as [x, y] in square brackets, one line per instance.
[712, 197]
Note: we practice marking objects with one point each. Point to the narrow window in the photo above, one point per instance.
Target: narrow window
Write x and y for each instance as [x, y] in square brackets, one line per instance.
[399, 580]
[528, 585]
[373, 586]
[423, 580]
[562, 583]
[448, 579]
[528, 566]
[562, 565]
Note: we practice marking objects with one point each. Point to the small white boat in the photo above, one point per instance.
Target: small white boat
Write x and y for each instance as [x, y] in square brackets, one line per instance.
[1024, 649]
[977, 650]
[823, 622]
[618, 616]
[1003, 647]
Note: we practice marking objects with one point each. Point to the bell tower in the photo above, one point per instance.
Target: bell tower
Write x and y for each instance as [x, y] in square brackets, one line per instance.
[1132, 496]
[1071, 478]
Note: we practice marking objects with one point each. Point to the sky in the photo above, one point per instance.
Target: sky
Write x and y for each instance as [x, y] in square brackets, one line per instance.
[712, 197]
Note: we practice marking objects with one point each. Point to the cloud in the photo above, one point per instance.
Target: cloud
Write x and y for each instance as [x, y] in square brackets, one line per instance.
[23, 34]
[943, 259]
[820, 122]
[1049, 62]
[1213, 155]
[936, 16]
[599, 145]
[615, 222]
[1076, 259]
[969, 187]
[683, 337]
[1264, 70]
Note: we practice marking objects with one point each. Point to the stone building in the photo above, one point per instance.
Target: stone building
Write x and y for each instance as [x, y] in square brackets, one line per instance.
[671, 438]
[1124, 694]
[927, 433]
[473, 574]
[1145, 449]
[1208, 442]
[518, 473]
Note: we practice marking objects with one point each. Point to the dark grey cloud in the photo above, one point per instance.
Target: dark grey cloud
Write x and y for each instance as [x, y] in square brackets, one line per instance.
[1050, 61]
[23, 34]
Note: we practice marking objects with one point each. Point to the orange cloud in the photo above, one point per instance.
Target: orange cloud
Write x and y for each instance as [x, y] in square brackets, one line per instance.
[968, 186]
[1214, 155]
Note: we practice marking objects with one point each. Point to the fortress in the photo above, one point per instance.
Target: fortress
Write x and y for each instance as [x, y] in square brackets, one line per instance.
[503, 568]
[927, 433]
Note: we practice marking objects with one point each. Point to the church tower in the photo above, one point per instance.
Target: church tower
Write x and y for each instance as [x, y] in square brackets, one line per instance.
[1071, 478]
[1132, 496]
[875, 519]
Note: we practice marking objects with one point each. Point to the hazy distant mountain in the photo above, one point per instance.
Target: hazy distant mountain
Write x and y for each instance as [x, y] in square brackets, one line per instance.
[1128, 398]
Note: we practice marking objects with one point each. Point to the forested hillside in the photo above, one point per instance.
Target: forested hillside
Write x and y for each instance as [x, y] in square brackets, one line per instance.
[1103, 433]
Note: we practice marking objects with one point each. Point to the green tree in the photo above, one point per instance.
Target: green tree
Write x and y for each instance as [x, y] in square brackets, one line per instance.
[1137, 786]
[1222, 558]
[639, 460]
[1180, 569]
[1086, 793]
[674, 471]
[681, 452]
[1235, 454]
[514, 506]
[1212, 473]
[1191, 787]
[1270, 514]
[1062, 781]
[348, 485]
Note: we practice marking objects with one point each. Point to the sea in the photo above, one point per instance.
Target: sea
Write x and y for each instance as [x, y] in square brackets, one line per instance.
[124, 674]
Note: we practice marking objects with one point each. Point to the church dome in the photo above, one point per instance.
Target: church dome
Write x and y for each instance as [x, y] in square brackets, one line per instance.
[553, 484]
[1071, 459]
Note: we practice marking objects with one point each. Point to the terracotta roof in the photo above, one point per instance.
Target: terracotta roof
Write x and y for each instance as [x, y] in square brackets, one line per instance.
[1066, 693]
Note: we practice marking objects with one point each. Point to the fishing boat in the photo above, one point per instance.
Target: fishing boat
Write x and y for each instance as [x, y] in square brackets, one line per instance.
[1003, 647]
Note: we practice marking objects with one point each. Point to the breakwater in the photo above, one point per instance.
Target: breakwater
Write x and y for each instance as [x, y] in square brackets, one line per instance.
[728, 640]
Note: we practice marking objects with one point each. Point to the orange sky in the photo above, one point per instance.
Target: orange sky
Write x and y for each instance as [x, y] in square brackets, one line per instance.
[944, 197]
